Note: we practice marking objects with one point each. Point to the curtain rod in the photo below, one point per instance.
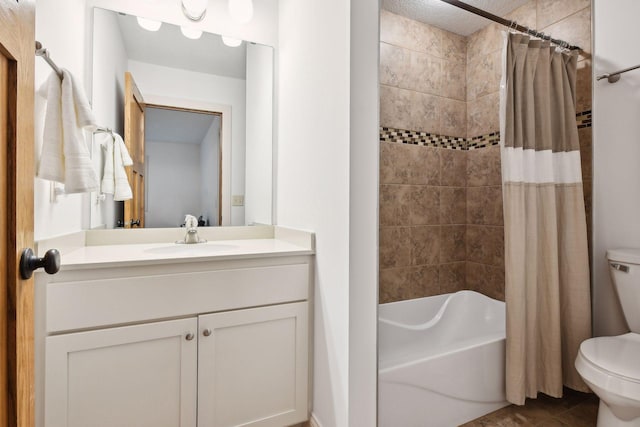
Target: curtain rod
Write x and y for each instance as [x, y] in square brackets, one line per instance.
[511, 24]
[614, 77]
[44, 53]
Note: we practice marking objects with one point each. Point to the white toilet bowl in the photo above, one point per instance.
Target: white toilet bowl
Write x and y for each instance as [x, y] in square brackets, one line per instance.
[611, 368]
[611, 365]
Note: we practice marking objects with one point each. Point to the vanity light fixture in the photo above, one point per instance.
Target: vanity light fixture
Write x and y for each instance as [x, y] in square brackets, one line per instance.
[149, 24]
[191, 33]
[195, 10]
[241, 10]
[231, 42]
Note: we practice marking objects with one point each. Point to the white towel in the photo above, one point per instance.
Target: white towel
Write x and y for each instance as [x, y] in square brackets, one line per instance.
[65, 156]
[114, 180]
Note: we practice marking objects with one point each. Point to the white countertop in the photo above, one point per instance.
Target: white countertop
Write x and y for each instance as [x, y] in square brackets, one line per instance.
[154, 253]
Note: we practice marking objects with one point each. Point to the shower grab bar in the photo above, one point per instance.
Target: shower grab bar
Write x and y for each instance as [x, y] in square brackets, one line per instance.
[614, 77]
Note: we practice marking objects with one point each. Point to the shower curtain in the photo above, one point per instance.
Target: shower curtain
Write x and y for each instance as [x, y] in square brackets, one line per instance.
[547, 288]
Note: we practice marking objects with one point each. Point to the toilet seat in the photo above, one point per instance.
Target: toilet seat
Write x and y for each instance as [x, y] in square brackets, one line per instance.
[612, 363]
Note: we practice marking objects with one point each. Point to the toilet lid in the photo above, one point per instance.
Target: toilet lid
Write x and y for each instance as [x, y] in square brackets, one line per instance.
[619, 355]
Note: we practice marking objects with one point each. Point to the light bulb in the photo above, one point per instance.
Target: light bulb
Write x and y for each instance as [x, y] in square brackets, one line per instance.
[241, 10]
[149, 24]
[191, 33]
[194, 9]
[231, 42]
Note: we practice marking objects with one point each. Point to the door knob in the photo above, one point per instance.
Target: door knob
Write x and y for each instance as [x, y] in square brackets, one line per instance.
[134, 222]
[29, 262]
[206, 332]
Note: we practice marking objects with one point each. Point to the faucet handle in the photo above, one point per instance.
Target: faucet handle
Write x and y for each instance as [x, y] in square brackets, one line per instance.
[190, 221]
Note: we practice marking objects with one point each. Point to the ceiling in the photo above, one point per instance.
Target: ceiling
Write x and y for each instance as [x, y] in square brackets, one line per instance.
[448, 17]
[177, 126]
[168, 47]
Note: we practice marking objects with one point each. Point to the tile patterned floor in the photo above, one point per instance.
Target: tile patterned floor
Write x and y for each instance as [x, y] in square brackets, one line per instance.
[575, 409]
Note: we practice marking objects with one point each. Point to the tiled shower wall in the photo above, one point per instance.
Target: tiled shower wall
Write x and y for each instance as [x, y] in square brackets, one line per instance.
[441, 226]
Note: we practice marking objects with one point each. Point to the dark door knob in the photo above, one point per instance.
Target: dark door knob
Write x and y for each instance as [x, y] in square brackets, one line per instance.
[29, 262]
[134, 222]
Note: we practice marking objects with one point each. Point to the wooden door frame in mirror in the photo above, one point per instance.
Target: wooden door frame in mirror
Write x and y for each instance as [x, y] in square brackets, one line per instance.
[224, 190]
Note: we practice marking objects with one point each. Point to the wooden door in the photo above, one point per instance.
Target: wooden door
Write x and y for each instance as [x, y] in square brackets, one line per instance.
[17, 55]
[134, 139]
[143, 376]
[253, 367]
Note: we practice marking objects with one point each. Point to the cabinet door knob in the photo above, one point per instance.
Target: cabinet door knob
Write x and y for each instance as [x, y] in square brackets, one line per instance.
[206, 332]
[189, 336]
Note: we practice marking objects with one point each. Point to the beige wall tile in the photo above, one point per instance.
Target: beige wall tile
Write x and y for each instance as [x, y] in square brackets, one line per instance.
[453, 205]
[485, 244]
[583, 86]
[425, 245]
[552, 11]
[423, 281]
[425, 113]
[394, 163]
[424, 73]
[453, 117]
[484, 41]
[452, 243]
[586, 153]
[484, 167]
[454, 79]
[393, 284]
[483, 115]
[452, 277]
[424, 165]
[424, 205]
[405, 32]
[395, 247]
[484, 205]
[396, 107]
[454, 46]
[395, 63]
[484, 75]
[524, 15]
[453, 166]
[486, 279]
[575, 29]
[395, 204]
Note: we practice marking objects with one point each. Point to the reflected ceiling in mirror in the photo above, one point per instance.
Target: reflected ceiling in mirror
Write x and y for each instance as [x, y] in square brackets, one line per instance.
[176, 71]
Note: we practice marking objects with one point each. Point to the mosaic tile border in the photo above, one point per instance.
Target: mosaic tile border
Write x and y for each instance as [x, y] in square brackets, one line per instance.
[425, 139]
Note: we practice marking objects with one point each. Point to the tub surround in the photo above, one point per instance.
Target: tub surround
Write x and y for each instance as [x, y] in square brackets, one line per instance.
[443, 183]
[138, 318]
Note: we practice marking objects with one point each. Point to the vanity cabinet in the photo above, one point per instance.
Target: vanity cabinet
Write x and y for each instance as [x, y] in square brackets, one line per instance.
[191, 345]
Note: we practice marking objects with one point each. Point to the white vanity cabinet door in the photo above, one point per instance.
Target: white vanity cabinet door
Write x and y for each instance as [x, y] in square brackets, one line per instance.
[143, 376]
[253, 367]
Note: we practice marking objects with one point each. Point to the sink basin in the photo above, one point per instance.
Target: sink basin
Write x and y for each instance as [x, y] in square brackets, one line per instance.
[192, 249]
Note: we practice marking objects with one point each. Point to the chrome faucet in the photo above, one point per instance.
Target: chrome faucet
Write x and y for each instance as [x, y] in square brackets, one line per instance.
[191, 224]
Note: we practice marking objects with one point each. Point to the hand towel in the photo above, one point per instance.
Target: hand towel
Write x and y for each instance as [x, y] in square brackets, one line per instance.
[114, 180]
[79, 174]
[64, 157]
[51, 164]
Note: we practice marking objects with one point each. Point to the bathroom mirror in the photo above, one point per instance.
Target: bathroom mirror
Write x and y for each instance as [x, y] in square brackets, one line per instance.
[206, 128]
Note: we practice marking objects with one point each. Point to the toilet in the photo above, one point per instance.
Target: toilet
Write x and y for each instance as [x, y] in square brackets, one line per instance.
[611, 365]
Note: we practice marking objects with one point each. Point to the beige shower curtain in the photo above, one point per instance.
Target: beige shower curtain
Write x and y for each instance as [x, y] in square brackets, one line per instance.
[546, 258]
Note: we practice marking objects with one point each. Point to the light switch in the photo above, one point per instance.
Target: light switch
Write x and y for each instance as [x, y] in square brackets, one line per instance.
[237, 200]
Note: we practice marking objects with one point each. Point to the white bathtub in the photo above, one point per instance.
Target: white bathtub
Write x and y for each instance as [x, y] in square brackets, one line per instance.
[441, 360]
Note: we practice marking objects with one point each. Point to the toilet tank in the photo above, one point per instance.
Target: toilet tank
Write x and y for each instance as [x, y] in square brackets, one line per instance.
[624, 265]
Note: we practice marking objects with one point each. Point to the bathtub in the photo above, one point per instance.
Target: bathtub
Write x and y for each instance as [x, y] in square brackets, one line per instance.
[441, 360]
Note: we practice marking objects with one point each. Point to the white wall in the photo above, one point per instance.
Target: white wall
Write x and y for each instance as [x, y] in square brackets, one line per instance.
[189, 85]
[616, 151]
[65, 28]
[60, 26]
[109, 66]
[173, 183]
[259, 147]
[210, 172]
